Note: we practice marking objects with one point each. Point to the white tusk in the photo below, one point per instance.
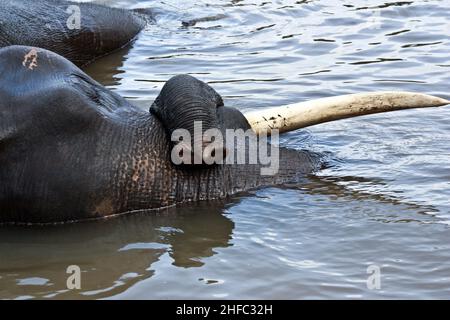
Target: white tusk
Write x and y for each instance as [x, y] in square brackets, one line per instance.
[299, 115]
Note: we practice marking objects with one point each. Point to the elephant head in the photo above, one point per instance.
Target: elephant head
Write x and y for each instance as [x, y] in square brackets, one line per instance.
[70, 149]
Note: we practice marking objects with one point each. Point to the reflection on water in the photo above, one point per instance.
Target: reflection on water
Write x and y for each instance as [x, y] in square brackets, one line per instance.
[383, 200]
[109, 69]
[198, 246]
[113, 254]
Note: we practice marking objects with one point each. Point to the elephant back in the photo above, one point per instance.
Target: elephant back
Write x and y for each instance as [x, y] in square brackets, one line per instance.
[81, 32]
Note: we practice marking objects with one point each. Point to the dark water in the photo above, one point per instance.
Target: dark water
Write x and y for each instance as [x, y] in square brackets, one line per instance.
[384, 202]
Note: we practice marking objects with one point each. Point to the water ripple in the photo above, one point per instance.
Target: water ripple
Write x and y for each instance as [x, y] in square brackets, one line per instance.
[382, 200]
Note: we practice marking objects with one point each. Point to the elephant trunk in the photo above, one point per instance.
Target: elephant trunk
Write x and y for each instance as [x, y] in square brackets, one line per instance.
[295, 116]
[184, 103]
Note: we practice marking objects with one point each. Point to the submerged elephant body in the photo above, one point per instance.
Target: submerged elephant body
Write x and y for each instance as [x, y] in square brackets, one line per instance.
[80, 32]
[71, 150]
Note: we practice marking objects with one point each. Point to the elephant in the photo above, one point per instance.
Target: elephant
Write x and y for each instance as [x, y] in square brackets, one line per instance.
[72, 150]
[80, 32]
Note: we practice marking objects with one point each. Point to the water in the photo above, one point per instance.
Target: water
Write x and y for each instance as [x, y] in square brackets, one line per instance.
[383, 202]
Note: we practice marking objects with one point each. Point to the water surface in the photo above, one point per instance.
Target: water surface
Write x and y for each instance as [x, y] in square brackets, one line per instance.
[383, 202]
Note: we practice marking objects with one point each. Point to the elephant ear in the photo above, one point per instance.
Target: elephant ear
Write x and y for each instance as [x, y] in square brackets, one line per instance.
[189, 107]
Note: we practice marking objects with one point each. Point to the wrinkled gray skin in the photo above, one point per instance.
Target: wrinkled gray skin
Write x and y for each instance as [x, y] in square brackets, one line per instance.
[72, 150]
[43, 24]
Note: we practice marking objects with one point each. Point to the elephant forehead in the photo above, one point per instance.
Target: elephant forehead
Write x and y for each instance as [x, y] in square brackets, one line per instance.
[30, 81]
[40, 89]
[36, 76]
[24, 65]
